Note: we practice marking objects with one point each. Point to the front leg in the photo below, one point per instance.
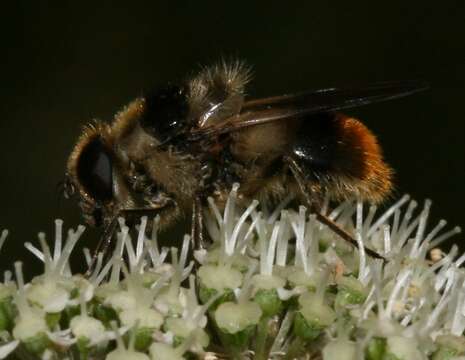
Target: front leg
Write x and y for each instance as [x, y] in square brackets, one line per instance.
[105, 243]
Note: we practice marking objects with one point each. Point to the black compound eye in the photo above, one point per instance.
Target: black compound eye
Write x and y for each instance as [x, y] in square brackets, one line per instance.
[165, 112]
[94, 171]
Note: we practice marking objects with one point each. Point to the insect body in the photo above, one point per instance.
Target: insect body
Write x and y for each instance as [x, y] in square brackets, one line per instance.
[169, 150]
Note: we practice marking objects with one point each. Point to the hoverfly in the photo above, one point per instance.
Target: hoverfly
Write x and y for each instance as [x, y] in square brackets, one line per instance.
[171, 148]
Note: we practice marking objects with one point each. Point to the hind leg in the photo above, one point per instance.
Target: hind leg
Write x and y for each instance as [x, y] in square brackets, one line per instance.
[299, 176]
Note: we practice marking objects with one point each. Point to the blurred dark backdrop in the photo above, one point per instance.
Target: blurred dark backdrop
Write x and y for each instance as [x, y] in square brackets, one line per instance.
[65, 63]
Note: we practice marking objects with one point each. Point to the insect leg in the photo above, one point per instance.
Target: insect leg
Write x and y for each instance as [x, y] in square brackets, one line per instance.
[103, 245]
[197, 235]
[299, 176]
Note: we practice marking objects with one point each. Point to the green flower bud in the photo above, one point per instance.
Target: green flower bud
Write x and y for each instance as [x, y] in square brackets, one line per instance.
[205, 294]
[269, 302]
[316, 315]
[237, 323]
[74, 293]
[307, 330]
[37, 344]
[350, 292]
[402, 348]
[376, 349]
[7, 313]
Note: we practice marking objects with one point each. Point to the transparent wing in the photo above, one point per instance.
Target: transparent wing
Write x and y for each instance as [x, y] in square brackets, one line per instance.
[262, 111]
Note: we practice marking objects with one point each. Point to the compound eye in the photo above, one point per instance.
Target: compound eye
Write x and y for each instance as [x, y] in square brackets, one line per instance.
[165, 112]
[94, 171]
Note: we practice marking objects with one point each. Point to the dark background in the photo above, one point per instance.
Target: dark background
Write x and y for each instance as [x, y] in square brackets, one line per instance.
[63, 64]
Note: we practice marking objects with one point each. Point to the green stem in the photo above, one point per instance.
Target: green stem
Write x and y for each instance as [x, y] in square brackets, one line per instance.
[261, 352]
[230, 350]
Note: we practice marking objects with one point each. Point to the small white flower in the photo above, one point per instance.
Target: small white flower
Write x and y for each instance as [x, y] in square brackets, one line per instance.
[83, 326]
[233, 318]
[145, 317]
[220, 277]
[29, 323]
[48, 295]
[121, 300]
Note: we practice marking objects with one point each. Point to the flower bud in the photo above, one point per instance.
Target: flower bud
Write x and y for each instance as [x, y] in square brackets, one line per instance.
[350, 292]
[313, 316]
[375, 349]
[237, 321]
[269, 302]
[402, 348]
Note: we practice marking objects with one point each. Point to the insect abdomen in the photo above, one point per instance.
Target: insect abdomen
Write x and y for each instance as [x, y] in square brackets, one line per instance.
[343, 156]
[316, 142]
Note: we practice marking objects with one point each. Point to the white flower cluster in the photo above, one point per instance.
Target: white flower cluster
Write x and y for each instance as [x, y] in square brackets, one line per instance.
[271, 286]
